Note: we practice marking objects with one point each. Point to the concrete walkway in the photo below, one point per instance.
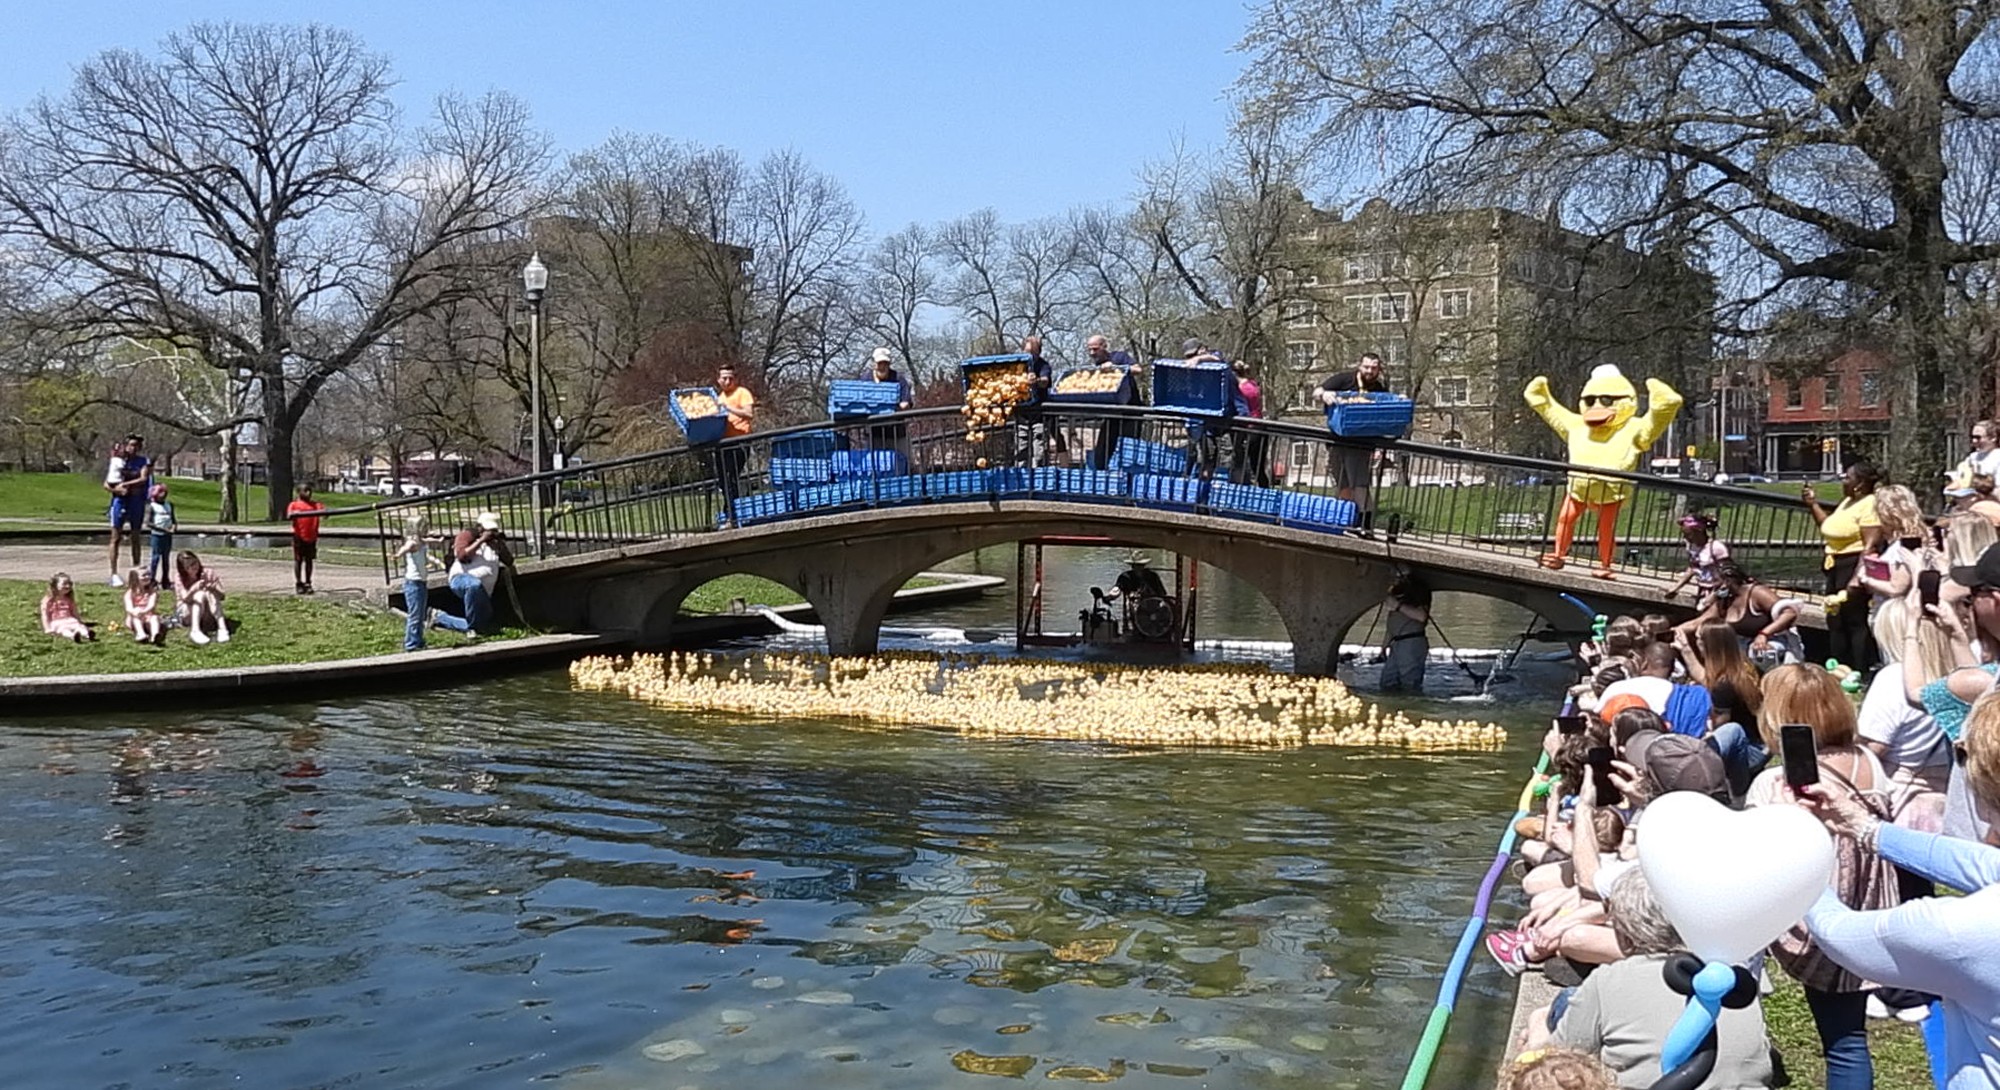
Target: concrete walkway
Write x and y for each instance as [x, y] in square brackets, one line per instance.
[268, 570]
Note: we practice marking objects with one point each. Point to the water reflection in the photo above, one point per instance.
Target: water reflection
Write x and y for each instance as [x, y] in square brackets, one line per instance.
[514, 879]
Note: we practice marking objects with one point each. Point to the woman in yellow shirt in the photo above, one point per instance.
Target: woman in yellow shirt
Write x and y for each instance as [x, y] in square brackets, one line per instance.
[1851, 530]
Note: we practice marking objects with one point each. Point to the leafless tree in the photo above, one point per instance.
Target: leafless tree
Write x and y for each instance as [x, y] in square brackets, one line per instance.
[896, 291]
[247, 195]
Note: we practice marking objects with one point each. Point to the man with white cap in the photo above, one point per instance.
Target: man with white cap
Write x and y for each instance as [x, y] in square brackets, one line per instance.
[882, 368]
[478, 554]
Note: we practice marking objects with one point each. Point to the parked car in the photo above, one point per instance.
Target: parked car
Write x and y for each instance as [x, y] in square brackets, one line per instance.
[395, 488]
[1750, 478]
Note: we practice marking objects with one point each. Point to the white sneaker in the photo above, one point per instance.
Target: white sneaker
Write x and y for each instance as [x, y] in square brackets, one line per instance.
[196, 634]
[222, 632]
[114, 581]
[1877, 1008]
[1913, 1014]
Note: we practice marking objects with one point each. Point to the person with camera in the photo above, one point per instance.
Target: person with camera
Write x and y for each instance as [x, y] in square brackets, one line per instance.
[479, 554]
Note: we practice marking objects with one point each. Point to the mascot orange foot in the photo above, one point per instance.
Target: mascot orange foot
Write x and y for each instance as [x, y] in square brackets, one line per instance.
[1609, 433]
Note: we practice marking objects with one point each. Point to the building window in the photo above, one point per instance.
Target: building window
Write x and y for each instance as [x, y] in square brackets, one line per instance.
[1302, 355]
[1394, 353]
[1387, 307]
[1454, 390]
[1795, 394]
[1454, 303]
[1297, 314]
[1871, 389]
[1451, 348]
[1357, 268]
[1311, 281]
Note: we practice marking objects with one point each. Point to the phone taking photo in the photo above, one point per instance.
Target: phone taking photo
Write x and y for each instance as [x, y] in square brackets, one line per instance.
[1570, 724]
[1599, 762]
[1927, 587]
[1801, 754]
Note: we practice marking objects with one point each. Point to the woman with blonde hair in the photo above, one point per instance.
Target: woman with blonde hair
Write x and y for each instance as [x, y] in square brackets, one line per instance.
[1966, 539]
[1837, 998]
[1886, 572]
[1915, 752]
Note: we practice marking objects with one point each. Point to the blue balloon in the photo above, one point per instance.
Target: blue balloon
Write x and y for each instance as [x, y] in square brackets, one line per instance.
[1698, 1017]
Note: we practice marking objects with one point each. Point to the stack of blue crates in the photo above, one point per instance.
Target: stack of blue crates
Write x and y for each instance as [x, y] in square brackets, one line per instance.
[849, 465]
[1161, 490]
[797, 472]
[837, 494]
[1244, 499]
[1079, 484]
[891, 491]
[1317, 512]
[762, 507]
[959, 484]
[1139, 456]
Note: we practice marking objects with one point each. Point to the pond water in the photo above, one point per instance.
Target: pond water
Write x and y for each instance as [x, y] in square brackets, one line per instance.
[512, 883]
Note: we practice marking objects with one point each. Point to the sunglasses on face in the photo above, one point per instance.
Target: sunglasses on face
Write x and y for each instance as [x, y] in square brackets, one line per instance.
[1606, 400]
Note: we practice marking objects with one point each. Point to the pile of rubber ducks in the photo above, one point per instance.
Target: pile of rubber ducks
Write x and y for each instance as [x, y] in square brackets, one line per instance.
[695, 404]
[1098, 380]
[977, 696]
[991, 393]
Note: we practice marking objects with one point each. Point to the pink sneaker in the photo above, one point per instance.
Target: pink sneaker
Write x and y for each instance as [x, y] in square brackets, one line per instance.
[1509, 948]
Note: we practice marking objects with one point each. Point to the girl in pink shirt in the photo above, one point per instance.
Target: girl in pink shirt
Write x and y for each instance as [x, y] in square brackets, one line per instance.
[59, 617]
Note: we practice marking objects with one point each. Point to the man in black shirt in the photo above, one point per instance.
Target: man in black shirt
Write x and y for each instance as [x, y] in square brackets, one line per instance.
[1352, 468]
[1138, 580]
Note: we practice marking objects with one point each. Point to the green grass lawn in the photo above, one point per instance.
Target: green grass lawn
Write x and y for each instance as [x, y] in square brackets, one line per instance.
[268, 629]
[714, 596]
[80, 498]
[1898, 1047]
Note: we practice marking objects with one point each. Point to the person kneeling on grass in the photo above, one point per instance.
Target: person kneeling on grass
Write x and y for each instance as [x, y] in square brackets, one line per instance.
[59, 616]
[478, 553]
[142, 598]
[198, 599]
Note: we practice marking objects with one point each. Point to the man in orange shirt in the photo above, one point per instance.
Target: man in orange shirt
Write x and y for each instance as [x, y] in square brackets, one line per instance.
[741, 409]
[305, 538]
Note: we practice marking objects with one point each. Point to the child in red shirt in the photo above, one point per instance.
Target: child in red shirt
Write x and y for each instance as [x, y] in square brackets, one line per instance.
[305, 538]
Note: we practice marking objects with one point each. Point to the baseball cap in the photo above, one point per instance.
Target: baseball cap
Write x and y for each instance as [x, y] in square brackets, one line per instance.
[1610, 708]
[1679, 762]
[1190, 346]
[1984, 574]
[882, 356]
[487, 520]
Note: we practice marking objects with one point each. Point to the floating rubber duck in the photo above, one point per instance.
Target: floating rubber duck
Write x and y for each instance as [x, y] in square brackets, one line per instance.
[1608, 433]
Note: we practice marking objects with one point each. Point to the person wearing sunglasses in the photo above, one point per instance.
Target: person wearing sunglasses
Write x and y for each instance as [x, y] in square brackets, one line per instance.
[1609, 434]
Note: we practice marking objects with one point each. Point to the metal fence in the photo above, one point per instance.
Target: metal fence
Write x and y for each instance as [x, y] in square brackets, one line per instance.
[1263, 471]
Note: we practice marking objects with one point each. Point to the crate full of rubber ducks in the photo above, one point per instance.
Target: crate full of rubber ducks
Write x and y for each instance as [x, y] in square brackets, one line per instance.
[1106, 385]
[698, 411]
[994, 387]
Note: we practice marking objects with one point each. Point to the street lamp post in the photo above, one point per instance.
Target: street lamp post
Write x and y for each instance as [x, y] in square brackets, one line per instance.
[534, 283]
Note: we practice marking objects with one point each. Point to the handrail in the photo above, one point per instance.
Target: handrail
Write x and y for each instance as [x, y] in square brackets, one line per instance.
[1425, 1056]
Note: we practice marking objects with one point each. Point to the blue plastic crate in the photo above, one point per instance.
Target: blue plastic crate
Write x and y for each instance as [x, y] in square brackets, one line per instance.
[1120, 396]
[700, 429]
[892, 491]
[851, 465]
[1012, 481]
[1013, 361]
[837, 494]
[795, 472]
[1244, 499]
[1140, 456]
[1317, 512]
[959, 484]
[807, 444]
[1079, 484]
[1381, 416]
[861, 397]
[1161, 490]
[762, 507]
[1194, 389]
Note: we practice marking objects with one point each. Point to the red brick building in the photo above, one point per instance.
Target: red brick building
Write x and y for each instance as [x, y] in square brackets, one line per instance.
[1816, 422]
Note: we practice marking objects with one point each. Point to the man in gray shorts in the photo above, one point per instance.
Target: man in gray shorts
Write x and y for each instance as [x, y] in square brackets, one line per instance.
[1353, 466]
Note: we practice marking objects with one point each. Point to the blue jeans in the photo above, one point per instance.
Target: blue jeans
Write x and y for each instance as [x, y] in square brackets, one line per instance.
[1743, 754]
[161, 564]
[417, 602]
[478, 604]
[1842, 1020]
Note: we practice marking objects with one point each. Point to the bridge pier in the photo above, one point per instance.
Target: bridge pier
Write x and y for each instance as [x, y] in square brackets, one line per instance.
[1318, 597]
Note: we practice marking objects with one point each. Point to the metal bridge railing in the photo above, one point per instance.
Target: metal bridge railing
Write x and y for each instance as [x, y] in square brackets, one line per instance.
[1463, 499]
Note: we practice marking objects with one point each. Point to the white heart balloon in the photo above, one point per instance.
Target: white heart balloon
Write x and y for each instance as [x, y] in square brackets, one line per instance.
[1731, 881]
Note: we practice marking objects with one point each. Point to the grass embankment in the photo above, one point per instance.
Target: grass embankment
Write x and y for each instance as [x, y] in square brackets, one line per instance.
[80, 498]
[1898, 1047]
[715, 595]
[269, 629]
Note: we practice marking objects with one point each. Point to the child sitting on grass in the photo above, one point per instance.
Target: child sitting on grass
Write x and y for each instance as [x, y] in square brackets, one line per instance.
[198, 598]
[59, 617]
[142, 598]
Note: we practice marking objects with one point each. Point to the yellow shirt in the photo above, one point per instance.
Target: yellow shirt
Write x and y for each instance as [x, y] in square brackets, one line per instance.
[740, 400]
[1843, 528]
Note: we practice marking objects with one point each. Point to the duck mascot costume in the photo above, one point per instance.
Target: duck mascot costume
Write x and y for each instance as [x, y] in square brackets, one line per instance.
[1609, 433]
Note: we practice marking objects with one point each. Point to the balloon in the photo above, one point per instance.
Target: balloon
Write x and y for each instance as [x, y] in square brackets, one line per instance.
[1730, 881]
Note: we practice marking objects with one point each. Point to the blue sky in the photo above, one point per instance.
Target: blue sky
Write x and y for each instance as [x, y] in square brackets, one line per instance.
[924, 110]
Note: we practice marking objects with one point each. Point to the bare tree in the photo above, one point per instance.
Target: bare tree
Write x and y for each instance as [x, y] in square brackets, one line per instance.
[1805, 145]
[972, 248]
[897, 287]
[247, 196]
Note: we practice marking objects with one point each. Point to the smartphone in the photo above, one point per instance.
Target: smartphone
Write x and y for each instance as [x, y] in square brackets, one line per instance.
[1927, 587]
[1801, 754]
[1570, 724]
[1599, 760]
